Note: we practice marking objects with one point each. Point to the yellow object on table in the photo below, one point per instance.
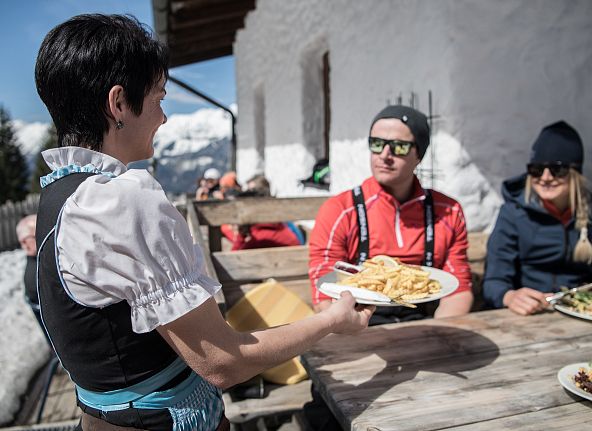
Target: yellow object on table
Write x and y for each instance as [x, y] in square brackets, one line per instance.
[267, 305]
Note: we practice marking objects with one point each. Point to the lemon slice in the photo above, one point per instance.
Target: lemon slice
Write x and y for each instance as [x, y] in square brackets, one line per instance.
[386, 260]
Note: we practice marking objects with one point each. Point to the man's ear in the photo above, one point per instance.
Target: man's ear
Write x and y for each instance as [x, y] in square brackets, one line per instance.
[116, 103]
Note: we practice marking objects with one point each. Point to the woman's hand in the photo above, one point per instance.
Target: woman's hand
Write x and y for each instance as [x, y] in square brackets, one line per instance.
[347, 317]
[526, 301]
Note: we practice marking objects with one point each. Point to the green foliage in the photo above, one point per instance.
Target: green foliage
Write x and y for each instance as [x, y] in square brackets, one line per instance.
[13, 166]
[41, 169]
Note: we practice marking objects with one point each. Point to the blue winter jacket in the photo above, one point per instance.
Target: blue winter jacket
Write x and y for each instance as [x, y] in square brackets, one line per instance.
[530, 248]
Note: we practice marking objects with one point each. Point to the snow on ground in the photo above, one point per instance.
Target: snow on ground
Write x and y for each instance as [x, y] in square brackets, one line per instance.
[23, 349]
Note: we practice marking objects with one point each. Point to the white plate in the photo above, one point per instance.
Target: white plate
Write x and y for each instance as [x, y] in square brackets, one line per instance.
[565, 377]
[448, 281]
[363, 296]
[567, 310]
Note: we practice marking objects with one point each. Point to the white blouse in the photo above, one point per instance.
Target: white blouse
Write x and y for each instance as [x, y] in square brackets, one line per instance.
[118, 238]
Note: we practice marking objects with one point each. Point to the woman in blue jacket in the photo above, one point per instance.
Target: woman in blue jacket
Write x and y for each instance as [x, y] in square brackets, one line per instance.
[541, 241]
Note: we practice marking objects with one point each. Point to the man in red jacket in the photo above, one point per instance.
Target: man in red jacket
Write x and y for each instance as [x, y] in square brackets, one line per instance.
[390, 214]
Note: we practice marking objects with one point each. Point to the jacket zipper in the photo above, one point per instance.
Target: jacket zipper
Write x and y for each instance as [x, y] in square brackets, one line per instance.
[397, 220]
[398, 227]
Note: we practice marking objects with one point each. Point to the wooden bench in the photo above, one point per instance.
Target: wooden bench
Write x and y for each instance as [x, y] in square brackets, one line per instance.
[240, 271]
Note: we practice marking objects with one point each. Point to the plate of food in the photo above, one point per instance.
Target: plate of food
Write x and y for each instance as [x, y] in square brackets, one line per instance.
[577, 379]
[577, 303]
[386, 281]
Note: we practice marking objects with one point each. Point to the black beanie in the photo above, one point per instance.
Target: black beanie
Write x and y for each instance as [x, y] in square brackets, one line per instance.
[415, 120]
[558, 142]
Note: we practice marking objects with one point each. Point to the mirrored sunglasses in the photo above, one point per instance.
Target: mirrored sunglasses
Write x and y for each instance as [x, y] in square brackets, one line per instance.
[557, 169]
[397, 147]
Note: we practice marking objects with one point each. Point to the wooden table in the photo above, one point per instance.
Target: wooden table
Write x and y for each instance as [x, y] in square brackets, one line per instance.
[491, 370]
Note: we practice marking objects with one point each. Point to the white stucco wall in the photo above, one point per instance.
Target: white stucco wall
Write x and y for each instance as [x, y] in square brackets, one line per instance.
[499, 71]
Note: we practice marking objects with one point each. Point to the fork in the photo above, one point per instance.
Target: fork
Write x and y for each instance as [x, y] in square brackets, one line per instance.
[557, 296]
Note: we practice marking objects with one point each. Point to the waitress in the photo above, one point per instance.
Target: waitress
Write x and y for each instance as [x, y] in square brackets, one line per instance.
[122, 289]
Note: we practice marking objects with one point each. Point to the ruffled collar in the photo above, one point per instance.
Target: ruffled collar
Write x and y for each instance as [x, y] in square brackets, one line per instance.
[69, 160]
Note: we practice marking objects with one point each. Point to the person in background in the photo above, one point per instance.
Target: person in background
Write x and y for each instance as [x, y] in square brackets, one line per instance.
[25, 231]
[393, 208]
[262, 235]
[208, 184]
[122, 288]
[229, 186]
[541, 239]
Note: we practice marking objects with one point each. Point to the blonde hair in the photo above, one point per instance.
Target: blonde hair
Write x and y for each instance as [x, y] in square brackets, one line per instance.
[579, 204]
[579, 198]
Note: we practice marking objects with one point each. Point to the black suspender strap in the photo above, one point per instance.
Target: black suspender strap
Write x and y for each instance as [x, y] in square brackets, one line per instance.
[364, 236]
[428, 211]
[363, 233]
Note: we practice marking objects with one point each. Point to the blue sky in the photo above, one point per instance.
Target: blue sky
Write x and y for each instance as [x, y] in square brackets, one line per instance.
[24, 24]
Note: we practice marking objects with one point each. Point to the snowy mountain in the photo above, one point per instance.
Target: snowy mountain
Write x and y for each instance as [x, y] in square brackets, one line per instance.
[187, 145]
[184, 147]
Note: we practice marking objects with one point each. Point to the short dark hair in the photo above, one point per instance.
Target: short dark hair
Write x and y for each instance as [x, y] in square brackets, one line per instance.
[80, 61]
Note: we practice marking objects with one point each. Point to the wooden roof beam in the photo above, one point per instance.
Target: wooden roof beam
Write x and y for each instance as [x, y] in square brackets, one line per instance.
[183, 59]
[184, 7]
[205, 31]
[211, 14]
[204, 44]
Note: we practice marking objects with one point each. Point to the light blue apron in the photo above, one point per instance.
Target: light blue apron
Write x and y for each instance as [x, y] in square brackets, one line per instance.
[194, 404]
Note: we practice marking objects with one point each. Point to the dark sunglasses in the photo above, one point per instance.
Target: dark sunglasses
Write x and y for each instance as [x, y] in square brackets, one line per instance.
[557, 169]
[397, 147]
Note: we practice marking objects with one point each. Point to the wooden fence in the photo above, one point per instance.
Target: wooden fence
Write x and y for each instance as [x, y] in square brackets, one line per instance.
[10, 214]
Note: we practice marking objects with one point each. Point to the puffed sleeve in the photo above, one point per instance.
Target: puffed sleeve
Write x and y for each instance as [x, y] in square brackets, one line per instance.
[121, 239]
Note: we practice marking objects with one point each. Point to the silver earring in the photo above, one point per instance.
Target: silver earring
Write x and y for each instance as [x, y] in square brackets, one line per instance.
[119, 125]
